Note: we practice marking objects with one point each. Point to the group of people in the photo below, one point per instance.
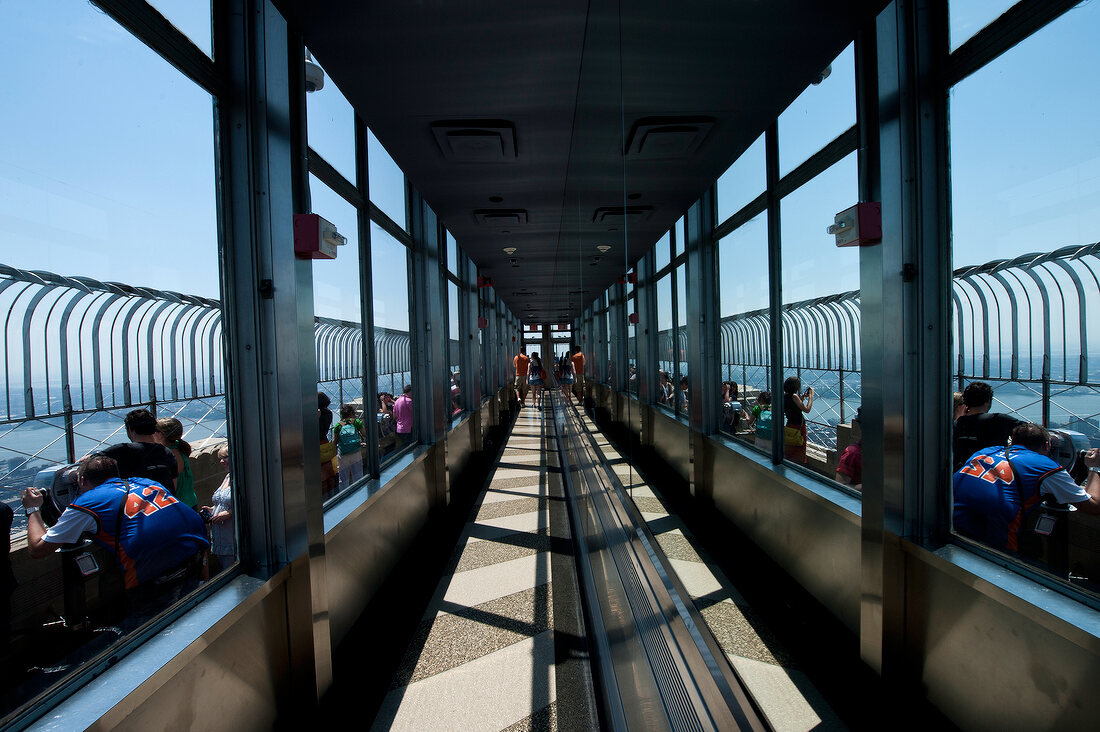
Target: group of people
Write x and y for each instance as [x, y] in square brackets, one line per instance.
[531, 376]
[137, 500]
[342, 444]
[1004, 472]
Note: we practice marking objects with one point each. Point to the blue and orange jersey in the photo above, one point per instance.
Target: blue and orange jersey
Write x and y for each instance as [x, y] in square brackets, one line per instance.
[147, 529]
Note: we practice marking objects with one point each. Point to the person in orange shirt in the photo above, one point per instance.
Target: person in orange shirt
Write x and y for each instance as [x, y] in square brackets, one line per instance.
[522, 365]
[578, 373]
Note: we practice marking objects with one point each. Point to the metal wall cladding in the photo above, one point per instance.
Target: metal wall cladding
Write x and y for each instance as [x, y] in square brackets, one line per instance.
[671, 441]
[991, 660]
[813, 539]
[240, 679]
[362, 550]
[460, 450]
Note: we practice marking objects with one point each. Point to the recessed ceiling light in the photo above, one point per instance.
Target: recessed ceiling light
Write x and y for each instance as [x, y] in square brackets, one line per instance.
[509, 250]
[603, 248]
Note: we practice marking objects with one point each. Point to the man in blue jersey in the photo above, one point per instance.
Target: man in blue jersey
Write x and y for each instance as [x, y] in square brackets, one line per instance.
[998, 490]
[154, 538]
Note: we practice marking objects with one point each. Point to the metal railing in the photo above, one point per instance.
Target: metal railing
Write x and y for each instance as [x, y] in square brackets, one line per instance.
[79, 353]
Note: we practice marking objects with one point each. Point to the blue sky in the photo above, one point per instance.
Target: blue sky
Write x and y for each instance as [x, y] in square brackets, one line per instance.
[115, 180]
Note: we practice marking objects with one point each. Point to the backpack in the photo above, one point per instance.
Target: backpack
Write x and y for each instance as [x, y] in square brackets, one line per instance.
[347, 438]
[764, 424]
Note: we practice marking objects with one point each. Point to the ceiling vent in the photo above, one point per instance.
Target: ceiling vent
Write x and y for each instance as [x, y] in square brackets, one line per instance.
[500, 217]
[620, 215]
[476, 140]
[656, 138]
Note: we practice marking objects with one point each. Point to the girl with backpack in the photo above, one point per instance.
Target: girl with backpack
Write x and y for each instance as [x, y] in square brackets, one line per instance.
[350, 439]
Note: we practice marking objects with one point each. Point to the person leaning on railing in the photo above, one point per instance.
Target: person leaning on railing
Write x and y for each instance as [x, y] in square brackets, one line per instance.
[156, 540]
[998, 490]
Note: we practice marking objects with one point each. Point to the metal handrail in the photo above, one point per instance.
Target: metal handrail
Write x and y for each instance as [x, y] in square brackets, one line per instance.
[76, 348]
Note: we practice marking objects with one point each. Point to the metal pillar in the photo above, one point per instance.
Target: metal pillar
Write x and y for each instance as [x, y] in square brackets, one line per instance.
[905, 295]
[704, 354]
[269, 335]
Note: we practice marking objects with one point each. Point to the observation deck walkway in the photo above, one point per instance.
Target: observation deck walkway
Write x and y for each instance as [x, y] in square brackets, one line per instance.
[502, 644]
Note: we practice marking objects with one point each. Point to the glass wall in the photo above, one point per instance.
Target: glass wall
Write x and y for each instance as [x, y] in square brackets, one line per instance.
[392, 345]
[1024, 229]
[745, 333]
[108, 177]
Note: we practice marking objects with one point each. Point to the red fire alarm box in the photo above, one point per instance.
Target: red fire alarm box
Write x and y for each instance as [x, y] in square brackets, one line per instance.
[858, 226]
[482, 322]
[315, 238]
[633, 318]
[484, 281]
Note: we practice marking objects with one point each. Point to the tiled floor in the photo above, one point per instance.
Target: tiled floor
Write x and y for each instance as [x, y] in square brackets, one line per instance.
[783, 693]
[483, 657]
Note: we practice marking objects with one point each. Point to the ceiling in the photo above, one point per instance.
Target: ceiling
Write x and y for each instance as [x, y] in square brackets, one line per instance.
[557, 127]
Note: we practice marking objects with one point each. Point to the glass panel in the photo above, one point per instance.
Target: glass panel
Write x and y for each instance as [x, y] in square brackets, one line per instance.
[743, 181]
[331, 128]
[387, 182]
[820, 322]
[392, 346]
[452, 254]
[191, 18]
[665, 348]
[661, 253]
[819, 115]
[967, 17]
[1039, 209]
[454, 369]
[108, 174]
[337, 305]
[745, 333]
[680, 346]
[681, 237]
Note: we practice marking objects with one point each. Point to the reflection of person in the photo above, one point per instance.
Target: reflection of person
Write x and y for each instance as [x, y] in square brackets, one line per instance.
[152, 535]
[979, 427]
[223, 535]
[142, 457]
[795, 405]
[565, 377]
[403, 416]
[170, 434]
[522, 365]
[998, 490]
[534, 379]
[849, 468]
[578, 373]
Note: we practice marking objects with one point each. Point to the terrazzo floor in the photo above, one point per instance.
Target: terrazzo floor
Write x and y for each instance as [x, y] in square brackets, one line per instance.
[484, 655]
